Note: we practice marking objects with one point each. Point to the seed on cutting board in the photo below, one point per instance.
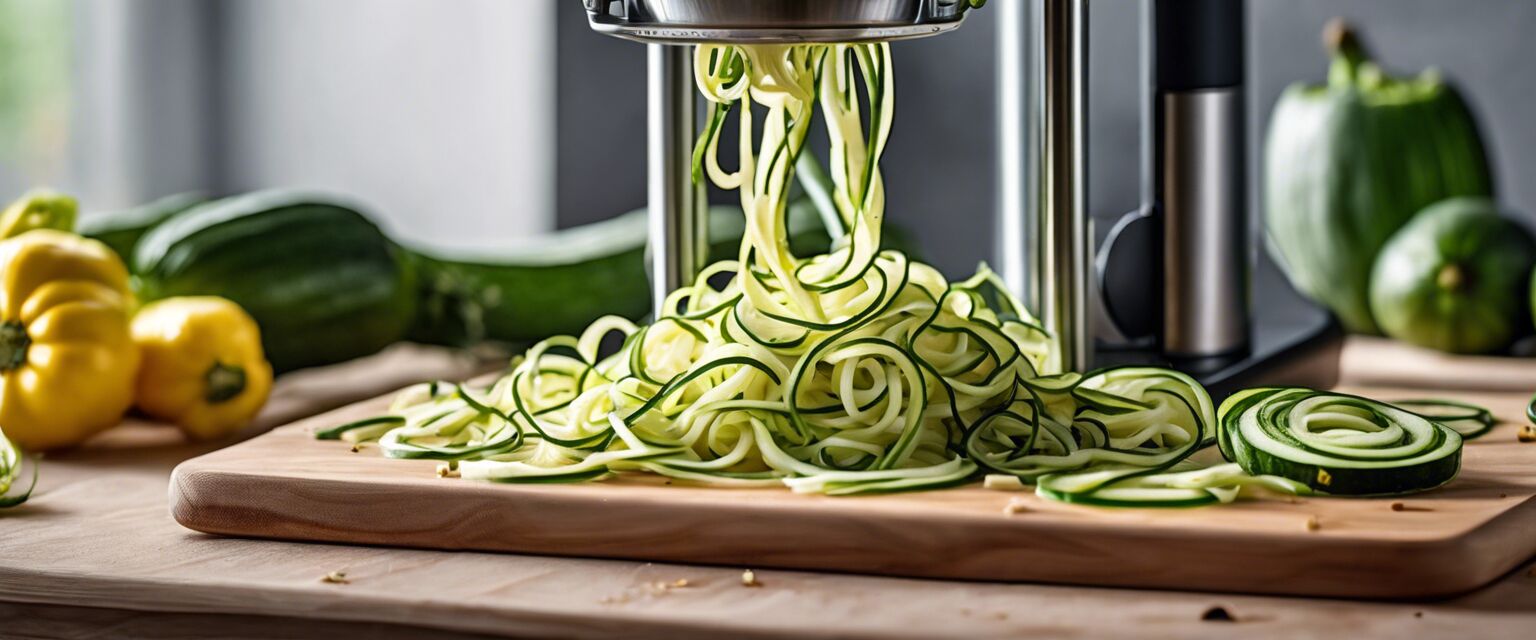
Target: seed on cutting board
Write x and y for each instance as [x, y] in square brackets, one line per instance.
[1313, 524]
[336, 577]
[1527, 433]
[1398, 506]
[749, 579]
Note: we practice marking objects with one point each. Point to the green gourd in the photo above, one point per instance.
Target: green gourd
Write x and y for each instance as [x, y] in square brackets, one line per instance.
[1456, 279]
[1350, 162]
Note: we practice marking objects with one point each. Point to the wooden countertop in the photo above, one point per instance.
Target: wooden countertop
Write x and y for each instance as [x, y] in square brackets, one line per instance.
[96, 551]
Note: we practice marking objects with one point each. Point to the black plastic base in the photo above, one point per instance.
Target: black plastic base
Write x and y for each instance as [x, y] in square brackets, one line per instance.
[1294, 343]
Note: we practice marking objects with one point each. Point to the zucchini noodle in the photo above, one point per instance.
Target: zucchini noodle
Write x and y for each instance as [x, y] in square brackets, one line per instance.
[1464, 418]
[856, 371]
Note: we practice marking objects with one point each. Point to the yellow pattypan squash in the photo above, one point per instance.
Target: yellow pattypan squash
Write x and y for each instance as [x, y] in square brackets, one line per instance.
[67, 362]
[40, 209]
[203, 366]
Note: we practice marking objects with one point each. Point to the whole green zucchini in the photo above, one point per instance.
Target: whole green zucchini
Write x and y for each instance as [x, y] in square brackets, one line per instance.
[322, 281]
[1455, 279]
[326, 285]
[560, 283]
[1349, 163]
[121, 230]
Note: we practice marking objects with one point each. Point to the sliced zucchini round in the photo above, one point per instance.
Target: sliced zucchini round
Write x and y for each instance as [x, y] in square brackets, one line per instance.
[1337, 443]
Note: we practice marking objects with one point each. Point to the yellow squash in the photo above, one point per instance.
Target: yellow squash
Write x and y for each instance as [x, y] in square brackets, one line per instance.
[67, 362]
[40, 209]
[203, 365]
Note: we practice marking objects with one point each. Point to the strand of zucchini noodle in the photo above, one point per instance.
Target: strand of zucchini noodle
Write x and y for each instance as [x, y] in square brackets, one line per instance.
[856, 371]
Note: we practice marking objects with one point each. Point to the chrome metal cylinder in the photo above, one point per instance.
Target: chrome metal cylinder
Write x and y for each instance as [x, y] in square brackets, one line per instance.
[1205, 237]
[1062, 253]
[1018, 149]
[679, 229]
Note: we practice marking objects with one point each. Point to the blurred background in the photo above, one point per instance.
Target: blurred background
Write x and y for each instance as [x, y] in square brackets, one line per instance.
[467, 123]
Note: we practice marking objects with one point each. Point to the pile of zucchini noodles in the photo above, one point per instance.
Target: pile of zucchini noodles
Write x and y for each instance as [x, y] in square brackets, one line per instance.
[852, 372]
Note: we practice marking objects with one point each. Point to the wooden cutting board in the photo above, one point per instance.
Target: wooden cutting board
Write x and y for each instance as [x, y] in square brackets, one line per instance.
[287, 485]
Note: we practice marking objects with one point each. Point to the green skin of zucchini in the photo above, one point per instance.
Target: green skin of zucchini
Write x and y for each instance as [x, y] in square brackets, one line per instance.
[1455, 279]
[326, 285]
[122, 230]
[565, 281]
[1349, 163]
[321, 280]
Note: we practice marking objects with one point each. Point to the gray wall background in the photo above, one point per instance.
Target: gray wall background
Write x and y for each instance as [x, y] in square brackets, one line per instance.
[418, 108]
[939, 168]
[441, 113]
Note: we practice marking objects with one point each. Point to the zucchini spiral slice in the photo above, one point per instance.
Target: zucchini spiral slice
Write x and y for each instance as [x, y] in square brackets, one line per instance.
[1336, 443]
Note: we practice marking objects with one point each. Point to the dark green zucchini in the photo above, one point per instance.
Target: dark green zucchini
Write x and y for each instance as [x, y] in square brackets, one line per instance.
[560, 283]
[121, 230]
[326, 285]
[322, 280]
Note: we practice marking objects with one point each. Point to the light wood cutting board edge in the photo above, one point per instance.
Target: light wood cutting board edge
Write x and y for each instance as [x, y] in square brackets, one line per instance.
[216, 494]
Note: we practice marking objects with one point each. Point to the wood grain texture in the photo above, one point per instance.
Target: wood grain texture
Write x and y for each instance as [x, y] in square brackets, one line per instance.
[287, 485]
[1376, 361]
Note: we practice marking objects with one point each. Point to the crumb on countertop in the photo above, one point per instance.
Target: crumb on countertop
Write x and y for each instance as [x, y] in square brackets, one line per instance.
[749, 579]
[1398, 506]
[1527, 433]
[662, 587]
